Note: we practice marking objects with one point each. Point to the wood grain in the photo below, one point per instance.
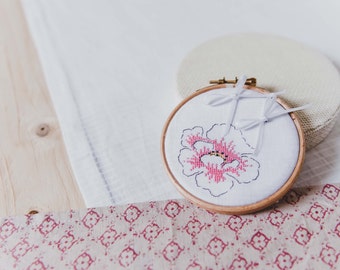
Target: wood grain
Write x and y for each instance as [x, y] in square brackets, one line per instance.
[35, 173]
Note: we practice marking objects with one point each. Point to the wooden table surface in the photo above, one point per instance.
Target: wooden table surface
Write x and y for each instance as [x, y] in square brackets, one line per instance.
[35, 173]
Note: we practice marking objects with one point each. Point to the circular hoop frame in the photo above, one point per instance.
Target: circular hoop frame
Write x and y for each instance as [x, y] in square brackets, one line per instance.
[244, 209]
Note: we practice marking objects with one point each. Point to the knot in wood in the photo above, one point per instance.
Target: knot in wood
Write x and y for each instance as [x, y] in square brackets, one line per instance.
[33, 212]
[42, 130]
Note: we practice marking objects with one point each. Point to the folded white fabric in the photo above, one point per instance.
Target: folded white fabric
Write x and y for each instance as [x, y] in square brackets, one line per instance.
[111, 66]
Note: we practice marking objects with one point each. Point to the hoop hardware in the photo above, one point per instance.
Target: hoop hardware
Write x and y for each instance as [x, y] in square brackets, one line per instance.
[249, 81]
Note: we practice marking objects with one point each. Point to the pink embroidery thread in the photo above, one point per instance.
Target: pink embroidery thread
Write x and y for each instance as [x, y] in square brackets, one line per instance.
[212, 160]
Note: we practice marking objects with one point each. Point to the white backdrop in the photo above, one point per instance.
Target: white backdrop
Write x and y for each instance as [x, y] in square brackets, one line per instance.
[111, 70]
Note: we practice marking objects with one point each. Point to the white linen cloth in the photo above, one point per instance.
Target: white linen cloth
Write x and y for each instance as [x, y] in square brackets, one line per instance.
[111, 66]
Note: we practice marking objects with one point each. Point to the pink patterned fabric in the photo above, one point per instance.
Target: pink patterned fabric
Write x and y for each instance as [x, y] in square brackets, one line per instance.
[301, 232]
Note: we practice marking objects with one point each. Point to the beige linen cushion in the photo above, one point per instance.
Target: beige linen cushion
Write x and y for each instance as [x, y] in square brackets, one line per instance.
[278, 64]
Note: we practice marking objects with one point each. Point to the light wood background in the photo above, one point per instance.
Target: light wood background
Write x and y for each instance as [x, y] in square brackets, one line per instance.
[35, 174]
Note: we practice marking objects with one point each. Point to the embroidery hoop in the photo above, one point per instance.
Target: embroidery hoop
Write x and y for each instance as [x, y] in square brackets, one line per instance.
[242, 209]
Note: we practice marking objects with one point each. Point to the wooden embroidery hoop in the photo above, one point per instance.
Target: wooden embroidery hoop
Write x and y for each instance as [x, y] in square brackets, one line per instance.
[243, 209]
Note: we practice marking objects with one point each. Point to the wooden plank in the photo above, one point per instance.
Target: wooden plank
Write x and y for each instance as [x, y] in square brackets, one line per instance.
[35, 173]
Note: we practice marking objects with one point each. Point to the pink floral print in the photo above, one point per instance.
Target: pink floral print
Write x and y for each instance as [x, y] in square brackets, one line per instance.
[177, 235]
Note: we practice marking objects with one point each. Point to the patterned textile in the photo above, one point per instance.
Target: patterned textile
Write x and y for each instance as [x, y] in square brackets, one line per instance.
[300, 232]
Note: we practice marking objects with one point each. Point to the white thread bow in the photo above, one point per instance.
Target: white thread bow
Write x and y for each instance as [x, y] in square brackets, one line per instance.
[220, 99]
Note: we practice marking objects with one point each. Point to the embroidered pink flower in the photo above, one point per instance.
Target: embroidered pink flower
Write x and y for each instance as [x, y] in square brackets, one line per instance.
[284, 261]
[215, 161]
